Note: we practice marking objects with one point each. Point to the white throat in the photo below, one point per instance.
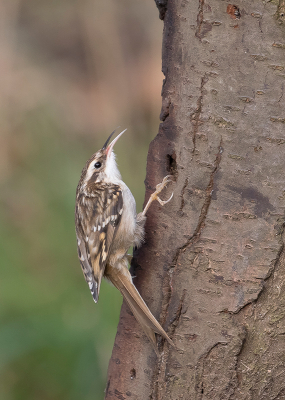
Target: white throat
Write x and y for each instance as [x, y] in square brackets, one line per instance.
[112, 173]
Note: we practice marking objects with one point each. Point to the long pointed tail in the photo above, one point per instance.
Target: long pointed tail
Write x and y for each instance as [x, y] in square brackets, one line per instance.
[122, 280]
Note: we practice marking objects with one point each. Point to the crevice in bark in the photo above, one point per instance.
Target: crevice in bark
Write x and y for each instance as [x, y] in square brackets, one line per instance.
[280, 13]
[259, 24]
[162, 8]
[171, 165]
[207, 202]
[196, 234]
[119, 395]
[233, 350]
[195, 117]
[175, 320]
[282, 92]
[274, 266]
[159, 374]
[182, 195]
[200, 18]
[199, 385]
[267, 285]
[232, 397]
[164, 113]
[160, 378]
[264, 280]
[199, 227]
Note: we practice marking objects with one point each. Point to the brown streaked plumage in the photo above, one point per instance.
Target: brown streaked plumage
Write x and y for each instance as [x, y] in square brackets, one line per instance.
[106, 226]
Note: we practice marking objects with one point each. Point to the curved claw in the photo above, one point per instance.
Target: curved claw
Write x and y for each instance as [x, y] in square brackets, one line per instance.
[154, 196]
[164, 182]
[162, 202]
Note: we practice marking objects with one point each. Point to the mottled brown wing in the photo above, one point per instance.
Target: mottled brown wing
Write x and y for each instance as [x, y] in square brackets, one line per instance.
[97, 219]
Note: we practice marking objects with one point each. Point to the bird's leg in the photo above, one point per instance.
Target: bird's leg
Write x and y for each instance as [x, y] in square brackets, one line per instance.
[154, 196]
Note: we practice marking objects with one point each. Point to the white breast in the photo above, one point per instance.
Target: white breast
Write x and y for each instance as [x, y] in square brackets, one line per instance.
[126, 230]
[125, 235]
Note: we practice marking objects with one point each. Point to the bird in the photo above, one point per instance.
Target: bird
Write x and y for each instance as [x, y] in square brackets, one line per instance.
[106, 226]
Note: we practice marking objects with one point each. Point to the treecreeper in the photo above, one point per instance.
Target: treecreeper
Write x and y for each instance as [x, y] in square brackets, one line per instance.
[106, 226]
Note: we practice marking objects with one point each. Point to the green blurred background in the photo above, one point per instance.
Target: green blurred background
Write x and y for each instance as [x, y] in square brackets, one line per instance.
[71, 72]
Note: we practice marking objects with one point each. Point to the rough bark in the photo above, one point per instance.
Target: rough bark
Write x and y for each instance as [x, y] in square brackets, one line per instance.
[212, 269]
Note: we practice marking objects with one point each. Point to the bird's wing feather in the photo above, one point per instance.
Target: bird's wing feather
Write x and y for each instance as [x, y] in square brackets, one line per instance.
[97, 219]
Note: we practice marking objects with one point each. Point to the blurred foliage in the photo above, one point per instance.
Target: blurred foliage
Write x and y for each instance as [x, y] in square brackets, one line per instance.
[71, 71]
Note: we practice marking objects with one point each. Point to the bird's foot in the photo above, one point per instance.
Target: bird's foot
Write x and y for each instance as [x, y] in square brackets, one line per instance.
[154, 196]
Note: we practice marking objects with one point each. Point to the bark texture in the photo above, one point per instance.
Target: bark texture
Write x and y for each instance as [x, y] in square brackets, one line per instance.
[212, 269]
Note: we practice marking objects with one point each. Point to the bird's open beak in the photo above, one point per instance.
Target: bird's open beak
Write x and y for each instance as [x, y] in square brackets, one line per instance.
[111, 145]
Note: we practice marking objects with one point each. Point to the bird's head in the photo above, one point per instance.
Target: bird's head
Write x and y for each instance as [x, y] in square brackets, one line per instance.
[102, 167]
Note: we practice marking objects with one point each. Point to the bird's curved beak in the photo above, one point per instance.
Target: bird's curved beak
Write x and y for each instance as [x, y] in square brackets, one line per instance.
[111, 145]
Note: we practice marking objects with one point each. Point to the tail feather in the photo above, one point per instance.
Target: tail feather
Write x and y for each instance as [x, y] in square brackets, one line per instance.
[122, 280]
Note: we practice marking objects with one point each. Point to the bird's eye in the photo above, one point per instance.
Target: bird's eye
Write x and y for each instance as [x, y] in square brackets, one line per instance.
[97, 165]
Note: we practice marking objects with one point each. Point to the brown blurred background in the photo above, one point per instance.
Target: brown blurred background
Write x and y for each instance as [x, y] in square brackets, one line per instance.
[71, 72]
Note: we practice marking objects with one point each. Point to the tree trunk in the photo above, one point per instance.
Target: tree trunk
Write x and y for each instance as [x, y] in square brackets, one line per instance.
[212, 269]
